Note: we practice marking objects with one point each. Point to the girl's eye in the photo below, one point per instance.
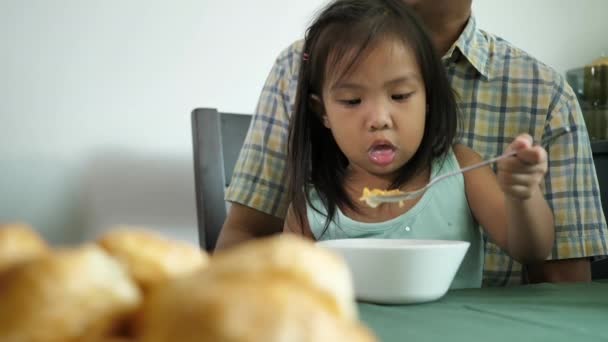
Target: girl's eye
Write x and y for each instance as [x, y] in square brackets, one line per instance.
[401, 97]
[351, 102]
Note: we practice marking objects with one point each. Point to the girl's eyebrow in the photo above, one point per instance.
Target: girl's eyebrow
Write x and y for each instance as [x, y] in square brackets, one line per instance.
[410, 77]
[407, 78]
[346, 86]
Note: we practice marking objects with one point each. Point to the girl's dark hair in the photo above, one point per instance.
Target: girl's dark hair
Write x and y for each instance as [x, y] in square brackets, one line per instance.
[340, 36]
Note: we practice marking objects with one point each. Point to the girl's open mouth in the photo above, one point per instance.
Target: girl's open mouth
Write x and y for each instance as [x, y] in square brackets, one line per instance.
[382, 153]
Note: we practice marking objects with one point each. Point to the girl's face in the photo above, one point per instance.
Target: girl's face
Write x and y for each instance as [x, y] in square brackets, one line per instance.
[377, 111]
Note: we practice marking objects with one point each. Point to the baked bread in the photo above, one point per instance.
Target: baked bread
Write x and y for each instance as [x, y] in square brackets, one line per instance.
[69, 295]
[278, 289]
[111, 339]
[19, 243]
[292, 257]
[274, 308]
[150, 258]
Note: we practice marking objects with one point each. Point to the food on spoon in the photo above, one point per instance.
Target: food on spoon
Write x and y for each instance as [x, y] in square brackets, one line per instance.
[368, 195]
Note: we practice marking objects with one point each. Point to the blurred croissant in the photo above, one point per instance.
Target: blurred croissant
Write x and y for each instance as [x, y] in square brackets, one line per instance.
[294, 258]
[275, 289]
[69, 295]
[150, 258]
[19, 243]
[136, 286]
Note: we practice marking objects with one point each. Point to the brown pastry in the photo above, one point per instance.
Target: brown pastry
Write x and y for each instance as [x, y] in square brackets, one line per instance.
[292, 257]
[150, 258]
[282, 288]
[68, 295]
[272, 308]
[19, 243]
[111, 339]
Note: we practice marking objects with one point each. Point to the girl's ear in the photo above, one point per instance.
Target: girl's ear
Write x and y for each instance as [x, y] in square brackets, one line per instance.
[316, 104]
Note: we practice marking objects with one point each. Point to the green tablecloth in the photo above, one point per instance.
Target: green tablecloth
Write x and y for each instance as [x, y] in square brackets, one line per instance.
[545, 312]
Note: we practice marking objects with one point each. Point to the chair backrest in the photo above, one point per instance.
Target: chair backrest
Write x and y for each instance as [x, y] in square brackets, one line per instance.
[217, 141]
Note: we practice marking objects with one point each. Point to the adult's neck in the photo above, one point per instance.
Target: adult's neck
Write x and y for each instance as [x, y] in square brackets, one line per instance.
[445, 23]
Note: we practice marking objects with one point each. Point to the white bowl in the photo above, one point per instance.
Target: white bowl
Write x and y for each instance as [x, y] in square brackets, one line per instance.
[393, 271]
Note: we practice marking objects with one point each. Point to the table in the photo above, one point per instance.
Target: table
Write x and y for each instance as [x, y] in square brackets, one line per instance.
[542, 312]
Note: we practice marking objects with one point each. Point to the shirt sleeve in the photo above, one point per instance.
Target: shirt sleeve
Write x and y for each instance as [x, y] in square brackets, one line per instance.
[571, 185]
[259, 180]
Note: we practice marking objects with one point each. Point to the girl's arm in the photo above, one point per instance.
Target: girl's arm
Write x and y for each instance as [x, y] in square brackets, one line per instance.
[294, 226]
[512, 210]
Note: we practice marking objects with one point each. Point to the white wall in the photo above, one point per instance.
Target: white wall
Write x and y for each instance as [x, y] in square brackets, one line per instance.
[81, 80]
[564, 34]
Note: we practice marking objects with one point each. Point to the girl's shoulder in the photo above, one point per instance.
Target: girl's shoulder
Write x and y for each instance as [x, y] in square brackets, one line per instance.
[297, 224]
[465, 155]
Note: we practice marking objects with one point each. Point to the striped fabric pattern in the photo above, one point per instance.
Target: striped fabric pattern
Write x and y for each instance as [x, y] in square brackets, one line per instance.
[502, 92]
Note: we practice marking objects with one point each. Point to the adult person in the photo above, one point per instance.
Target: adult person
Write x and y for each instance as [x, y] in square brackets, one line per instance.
[502, 91]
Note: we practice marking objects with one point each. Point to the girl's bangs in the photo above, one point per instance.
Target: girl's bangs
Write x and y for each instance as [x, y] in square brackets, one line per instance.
[342, 56]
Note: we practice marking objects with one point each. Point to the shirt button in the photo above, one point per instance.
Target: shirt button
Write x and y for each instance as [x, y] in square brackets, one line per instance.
[407, 228]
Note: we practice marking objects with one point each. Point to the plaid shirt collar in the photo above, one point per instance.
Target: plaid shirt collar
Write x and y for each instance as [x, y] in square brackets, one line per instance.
[472, 45]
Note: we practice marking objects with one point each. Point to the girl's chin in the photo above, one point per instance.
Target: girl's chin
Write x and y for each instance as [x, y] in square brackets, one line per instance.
[387, 172]
[371, 169]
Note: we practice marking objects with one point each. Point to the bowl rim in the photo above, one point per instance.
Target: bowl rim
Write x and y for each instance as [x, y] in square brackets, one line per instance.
[393, 244]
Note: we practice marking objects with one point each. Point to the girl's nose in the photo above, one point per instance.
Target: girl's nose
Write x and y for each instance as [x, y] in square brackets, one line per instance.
[380, 118]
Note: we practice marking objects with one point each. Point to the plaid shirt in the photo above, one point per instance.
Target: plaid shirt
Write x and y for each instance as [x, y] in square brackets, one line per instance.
[502, 92]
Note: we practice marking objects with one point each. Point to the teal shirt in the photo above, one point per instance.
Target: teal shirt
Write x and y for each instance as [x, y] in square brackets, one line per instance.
[442, 213]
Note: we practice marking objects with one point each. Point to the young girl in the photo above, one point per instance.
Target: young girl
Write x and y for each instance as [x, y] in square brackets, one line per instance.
[374, 109]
